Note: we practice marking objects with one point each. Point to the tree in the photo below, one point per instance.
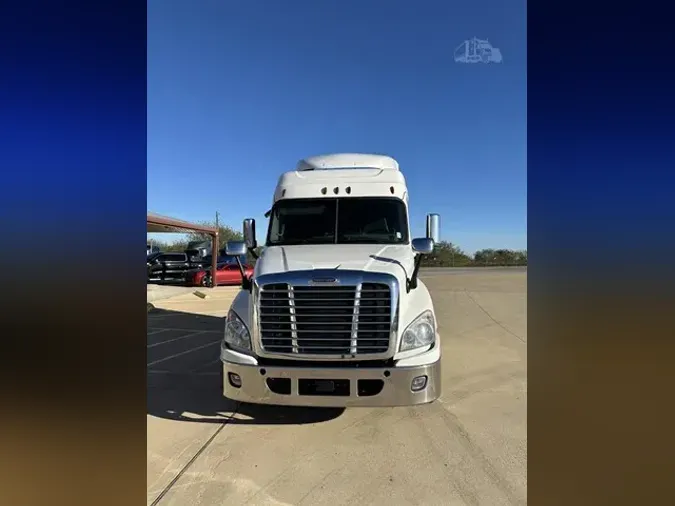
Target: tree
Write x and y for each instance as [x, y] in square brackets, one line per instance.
[500, 257]
[225, 234]
[446, 254]
[175, 246]
[521, 257]
[170, 246]
[484, 257]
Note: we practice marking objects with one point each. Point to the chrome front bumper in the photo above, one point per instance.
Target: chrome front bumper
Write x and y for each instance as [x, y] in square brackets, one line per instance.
[396, 383]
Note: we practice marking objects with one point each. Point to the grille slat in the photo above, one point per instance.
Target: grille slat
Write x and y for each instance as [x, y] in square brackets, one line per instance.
[341, 320]
[329, 339]
[318, 349]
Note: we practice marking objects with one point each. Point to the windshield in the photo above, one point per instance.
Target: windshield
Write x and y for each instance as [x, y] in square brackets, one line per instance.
[368, 220]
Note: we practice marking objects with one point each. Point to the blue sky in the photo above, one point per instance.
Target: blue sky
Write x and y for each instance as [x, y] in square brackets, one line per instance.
[238, 92]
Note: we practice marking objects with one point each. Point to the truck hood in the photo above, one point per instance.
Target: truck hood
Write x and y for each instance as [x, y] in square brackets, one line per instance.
[397, 260]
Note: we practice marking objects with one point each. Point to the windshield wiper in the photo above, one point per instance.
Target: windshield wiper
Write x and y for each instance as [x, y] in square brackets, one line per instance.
[364, 239]
[309, 240]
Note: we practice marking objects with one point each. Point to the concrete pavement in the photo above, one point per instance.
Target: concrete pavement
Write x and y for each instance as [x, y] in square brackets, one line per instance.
[470, 447]
[166, 291]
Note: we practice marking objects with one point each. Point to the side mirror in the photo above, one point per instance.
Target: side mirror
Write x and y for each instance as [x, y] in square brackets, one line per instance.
[249, 233]
[235, 248]
[423, 245]
[239, 249]
[434, 227]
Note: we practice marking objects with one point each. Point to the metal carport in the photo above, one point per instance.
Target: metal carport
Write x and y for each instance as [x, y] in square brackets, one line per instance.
[158, 223]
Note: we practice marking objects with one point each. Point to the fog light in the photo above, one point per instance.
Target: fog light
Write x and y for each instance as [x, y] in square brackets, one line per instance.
[418, 383]
[235, 380]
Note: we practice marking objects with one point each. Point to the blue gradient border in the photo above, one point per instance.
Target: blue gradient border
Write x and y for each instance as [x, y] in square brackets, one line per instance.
[74, 125]
[72, 200]
[601, 141]
[601, 225]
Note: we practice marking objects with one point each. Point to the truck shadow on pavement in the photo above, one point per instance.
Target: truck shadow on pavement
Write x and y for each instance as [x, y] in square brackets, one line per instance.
[183, 379]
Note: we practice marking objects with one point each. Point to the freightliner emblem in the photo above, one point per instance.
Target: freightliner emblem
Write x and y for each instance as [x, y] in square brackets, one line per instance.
[324, 281]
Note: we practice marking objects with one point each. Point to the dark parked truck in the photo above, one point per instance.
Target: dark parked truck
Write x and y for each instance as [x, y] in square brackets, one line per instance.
[334, 313]
[168, 266]
[197, 250]
[175, 267]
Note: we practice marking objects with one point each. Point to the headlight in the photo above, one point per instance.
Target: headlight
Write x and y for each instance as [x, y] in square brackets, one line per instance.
[421, 332]
[236, 334]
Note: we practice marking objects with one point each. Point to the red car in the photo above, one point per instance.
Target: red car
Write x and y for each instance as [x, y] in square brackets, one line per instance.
[226, 274]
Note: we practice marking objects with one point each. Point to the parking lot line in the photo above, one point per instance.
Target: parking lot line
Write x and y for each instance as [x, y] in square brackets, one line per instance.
[156, 331]
[192, 334]
[164, 315]
[185, 330]
[182, 373]
[182, 353]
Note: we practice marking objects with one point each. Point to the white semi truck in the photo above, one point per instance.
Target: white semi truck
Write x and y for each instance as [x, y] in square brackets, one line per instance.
[335, 314]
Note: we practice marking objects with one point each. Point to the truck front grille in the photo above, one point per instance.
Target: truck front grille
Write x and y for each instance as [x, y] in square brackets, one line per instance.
[341, 320]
